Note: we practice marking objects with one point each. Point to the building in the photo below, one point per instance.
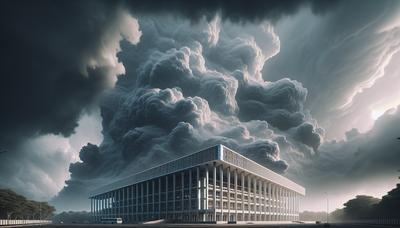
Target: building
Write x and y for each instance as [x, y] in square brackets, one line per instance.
[212, 185]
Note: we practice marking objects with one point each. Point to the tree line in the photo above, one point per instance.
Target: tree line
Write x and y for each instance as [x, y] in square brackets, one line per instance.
[362, 207]
[15, 206]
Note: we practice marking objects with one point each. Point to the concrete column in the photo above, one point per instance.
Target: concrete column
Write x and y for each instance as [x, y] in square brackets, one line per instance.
[199, 194]
[159, 197]
[221, 183]
[174, 194]
[228, 170]
[215, 191]
[249, 196]
[206, 189]
[235, 183]
[124, 202]
[147, 198]
[182, 191]
[94, 209]
[273, 202]
[153, 194]
[260, 205]
[166, 197]
[255, 198]
[142, 198]
[268, 201]
[131, 199]
[242, 180]
[265, 201]
[136, 201]
[293, 206]
[190, 193]
[280, 203]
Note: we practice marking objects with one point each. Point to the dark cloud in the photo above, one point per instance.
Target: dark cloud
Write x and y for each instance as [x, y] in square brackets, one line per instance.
[178, 96]
[236, 10]
[54, 64]
[337, 56]
[354, 163]
[57, 57]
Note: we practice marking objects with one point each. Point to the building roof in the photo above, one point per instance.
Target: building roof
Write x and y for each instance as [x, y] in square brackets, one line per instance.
[218, 153]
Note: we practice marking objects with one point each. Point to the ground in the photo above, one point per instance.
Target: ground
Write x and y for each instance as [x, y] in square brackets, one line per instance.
[220, 225]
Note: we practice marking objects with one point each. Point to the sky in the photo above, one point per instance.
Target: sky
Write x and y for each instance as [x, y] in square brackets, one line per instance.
[94, 91]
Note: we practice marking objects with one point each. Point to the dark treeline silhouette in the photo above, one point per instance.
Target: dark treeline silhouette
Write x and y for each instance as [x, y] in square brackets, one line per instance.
[70, 217]
[367, 207]
[14, 206]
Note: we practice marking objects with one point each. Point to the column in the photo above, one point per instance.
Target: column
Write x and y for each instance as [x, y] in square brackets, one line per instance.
[221, 183]
[95, 208]
[137, 201]
[190, 194]
[132, 213]
[260, 207]
[182, 191]
[159, 197]
[153, 194]
[206, 188]
[198, 188]
[166, 197]
[91, 206]
[269, 201]
[198, 183]
[273, 202]
[280, 203]
[147, 199]
[255, 198]
[242, 180]
[264, 201]
[215, 191]
[228, 170]
[123, 203]
[235, 183]
[249, 196]
[174, 194]
[142, 198]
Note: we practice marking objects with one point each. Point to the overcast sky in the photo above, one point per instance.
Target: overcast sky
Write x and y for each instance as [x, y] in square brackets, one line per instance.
[93, 91]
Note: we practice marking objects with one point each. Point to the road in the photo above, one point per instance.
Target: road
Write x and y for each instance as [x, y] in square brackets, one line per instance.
[337, 225]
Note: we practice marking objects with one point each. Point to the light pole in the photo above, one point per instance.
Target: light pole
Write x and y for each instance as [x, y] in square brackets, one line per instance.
[327, 209]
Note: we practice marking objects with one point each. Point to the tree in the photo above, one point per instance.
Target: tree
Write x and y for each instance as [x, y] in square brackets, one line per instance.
[359, 207]
[14, 206]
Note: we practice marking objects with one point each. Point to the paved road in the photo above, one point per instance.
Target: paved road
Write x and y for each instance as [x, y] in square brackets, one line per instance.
[213, 226]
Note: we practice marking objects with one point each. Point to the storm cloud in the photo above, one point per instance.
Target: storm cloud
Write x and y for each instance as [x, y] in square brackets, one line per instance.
[178, 96]
[172, 78]
[56, 59]
[340, 57]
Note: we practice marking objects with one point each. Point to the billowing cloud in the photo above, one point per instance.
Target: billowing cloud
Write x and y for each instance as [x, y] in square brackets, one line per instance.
[178, 96]
[56, 60]
[339, 57]
[236, 10]
[354, 163]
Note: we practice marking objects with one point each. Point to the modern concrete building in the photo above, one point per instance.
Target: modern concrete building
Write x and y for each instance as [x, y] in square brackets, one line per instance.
[212, 185]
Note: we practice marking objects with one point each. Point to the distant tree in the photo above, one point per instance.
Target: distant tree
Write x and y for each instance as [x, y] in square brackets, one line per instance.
[70, 217]
[359, 207]
[312, 215]
[14, 206]
[389, 207]
[337, 215]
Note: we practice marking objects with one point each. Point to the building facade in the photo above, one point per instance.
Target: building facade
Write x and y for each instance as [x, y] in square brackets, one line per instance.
[212, 185]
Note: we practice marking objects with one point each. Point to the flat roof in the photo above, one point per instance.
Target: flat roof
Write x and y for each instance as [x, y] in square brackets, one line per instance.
[218, 153]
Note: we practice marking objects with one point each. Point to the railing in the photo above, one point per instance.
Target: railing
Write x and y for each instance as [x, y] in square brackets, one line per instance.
[5, 222]
[381, 221]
